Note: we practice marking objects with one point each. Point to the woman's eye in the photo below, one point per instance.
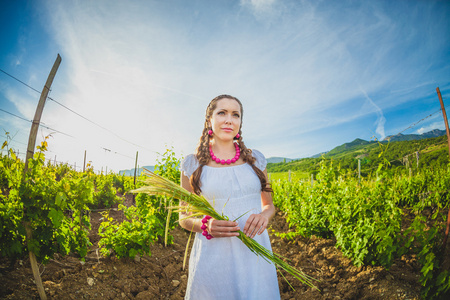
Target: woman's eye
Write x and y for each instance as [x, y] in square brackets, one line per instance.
[236, 115]
[220, 113]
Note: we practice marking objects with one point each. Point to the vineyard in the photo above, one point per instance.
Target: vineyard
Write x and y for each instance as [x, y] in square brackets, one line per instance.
[380, 237]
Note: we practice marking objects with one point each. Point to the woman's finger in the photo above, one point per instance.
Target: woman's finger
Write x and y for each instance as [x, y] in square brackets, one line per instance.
[248, 224]
[263, 227]
[259, 223]
[220, 228]
[223, 223]
[256, 224]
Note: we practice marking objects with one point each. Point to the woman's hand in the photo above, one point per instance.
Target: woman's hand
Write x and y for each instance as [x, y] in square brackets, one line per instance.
[256, 224]
[221, 228]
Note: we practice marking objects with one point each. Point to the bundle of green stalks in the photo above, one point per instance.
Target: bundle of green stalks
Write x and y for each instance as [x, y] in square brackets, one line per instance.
[198, 206]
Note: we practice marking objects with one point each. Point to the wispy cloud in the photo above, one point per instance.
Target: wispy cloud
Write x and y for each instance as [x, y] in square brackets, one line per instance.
[260, 7]
[429, 127]
[381, 120]
[21, 102]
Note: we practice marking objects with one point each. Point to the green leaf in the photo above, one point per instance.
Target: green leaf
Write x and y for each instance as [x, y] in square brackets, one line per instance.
[56, 216]
[60, 200]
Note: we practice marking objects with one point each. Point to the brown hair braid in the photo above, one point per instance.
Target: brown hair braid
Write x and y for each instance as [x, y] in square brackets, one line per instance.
[202, 151]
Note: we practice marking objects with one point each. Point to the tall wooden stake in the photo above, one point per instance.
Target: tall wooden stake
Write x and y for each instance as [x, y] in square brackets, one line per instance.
[445, 119]
[444, 244]
[30, 153]
[135, 169]
[84, 164]
[359, 170]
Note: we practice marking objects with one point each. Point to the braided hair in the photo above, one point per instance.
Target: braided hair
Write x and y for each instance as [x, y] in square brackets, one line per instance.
[202, 151]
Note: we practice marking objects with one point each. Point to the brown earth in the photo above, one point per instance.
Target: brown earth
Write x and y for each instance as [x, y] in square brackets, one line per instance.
[161, 275]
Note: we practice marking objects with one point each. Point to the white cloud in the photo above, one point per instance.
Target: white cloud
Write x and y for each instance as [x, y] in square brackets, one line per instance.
[267, 12]
[259, 6]
[432, 126]
[22, 102]
[381, 120]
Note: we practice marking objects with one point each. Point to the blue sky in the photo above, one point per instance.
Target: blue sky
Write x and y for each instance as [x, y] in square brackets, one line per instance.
[311, 75]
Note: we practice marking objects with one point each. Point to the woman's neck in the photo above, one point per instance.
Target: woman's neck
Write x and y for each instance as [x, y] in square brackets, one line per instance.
[223, 146]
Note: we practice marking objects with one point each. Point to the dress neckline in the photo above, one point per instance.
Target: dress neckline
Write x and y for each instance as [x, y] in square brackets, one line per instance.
[227, 167]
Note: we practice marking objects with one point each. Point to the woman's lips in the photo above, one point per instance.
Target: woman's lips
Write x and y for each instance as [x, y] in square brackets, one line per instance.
[227, 129]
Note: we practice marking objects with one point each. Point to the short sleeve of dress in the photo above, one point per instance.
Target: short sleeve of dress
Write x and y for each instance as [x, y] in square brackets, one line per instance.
[189, 164]
[261, 161]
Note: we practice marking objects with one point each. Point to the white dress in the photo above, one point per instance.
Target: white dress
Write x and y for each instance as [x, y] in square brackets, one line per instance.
[224, 268]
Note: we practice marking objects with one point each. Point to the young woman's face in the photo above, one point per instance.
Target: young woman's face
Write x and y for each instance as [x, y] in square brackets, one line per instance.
[226, 119]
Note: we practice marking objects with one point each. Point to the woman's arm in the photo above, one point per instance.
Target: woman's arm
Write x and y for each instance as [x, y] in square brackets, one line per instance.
[257, 223]
[216, 228]
[191, 224]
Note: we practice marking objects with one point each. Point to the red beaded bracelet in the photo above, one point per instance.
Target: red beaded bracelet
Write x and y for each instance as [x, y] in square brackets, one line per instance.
[204, 227]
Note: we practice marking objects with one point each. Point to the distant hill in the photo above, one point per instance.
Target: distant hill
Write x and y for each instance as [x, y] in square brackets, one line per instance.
[278, 159]
[345, 148]
[138, 172]
[410, 137]
[357, 143]
[319, 154]
[432, 147]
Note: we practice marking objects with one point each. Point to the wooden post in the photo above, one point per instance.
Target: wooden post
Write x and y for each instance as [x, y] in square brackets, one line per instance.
[289, 175]
[312, 180]
[134, 182]
[38, 114]
[445, 119]
[444, 244]
[417, 159]
[135, 169]
[84, 164]
[30, 153]
[359, 171]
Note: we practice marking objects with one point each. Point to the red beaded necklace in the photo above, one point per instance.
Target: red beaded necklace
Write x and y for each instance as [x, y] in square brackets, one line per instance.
[228, 161]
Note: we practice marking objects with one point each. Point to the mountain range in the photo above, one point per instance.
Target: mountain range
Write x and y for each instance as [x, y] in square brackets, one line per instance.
[138, 171]
[409, 137]
[339, 149]
[392, 138]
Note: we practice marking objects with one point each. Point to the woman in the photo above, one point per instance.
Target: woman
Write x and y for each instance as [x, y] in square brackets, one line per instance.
[234, 179]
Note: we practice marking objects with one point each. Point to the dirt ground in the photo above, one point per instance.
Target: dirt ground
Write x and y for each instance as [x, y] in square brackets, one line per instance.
[161, 276]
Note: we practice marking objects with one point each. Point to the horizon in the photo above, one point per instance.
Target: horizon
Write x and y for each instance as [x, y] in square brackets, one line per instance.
[311, 75]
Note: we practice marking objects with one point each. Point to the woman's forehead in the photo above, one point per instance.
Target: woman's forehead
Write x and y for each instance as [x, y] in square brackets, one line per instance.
[228, 104]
